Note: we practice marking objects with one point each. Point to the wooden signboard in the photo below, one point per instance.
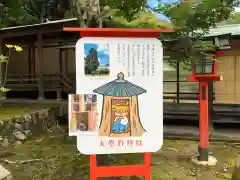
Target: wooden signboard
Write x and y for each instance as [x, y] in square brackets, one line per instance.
[124, 69]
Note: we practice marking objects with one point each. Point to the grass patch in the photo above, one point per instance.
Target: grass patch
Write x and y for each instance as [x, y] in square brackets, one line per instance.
[60, 160]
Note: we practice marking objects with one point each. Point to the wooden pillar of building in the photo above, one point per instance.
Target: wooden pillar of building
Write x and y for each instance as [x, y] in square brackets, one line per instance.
[40, 66]
[33, 59]
[59, 91]
[66, 62]
[30, 61]
[178, 81]
[61, 60]
[2, 69]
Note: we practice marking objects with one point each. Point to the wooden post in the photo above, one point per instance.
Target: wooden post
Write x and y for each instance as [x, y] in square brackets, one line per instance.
[61, 60]
[59, 91]
[40, 66]
[203, 121]
[59, 95]
[2, 69]
[29, 58]
[178, 81]
[66, 62]
[29, 62]
[33, 58]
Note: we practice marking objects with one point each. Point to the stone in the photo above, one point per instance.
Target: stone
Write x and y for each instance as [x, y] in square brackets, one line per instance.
[18, 126]
[236, 172]
[26, 125]
[18, 142]
[20, 136]
[17, 119]
[27, 132]
[8, 126]
[5, 174]
[28, 118]
[212, 161]
[35, 118]
[5, 142]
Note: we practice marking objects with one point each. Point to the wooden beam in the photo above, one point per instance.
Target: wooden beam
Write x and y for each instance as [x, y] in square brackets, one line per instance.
[25, 32]
[60, 40]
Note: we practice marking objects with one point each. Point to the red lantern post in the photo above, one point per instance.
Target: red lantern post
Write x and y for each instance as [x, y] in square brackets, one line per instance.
[203, 78]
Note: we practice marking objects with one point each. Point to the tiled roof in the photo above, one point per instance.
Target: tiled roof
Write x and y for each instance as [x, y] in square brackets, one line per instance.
[39, 24]
[233, 29]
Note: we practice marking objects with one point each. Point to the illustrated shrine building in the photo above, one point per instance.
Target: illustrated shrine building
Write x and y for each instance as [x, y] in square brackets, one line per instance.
[46, 66]
[120, 95]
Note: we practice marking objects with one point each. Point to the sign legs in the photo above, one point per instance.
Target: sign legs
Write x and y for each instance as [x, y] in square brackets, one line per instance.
[118, 171]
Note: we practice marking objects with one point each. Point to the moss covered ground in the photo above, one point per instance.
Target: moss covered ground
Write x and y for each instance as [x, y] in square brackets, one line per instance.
[9, 111]
[54, 156]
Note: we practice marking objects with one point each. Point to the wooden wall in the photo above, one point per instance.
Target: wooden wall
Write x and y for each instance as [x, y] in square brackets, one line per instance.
[18, 65]
[228, 90]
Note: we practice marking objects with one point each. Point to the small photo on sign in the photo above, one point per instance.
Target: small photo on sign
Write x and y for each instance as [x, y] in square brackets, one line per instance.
[82, 112]
[86, 121]
[90, 101]
[96, 60]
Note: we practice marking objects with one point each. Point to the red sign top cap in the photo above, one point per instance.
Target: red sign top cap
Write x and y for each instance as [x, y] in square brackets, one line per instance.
[118, 32]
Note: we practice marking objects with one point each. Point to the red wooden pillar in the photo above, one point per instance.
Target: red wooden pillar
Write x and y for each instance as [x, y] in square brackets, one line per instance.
[203, 121]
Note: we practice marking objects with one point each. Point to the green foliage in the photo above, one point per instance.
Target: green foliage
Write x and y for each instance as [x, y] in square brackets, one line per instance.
[233, 19]
[12, 13]
[118, 13]
[142, 20]
[192, 20]
[5, 59]
[90, 13]
[127, 8]
[50, 9]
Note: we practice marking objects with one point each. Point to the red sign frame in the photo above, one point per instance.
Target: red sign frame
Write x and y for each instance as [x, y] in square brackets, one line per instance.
[129, 170]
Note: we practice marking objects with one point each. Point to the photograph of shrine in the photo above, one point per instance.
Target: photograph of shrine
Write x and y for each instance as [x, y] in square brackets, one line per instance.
[83, 112]
[120, 116]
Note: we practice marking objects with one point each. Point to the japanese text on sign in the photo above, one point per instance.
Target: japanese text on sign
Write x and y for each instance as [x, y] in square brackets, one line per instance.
[120, 142]
[135, 56]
